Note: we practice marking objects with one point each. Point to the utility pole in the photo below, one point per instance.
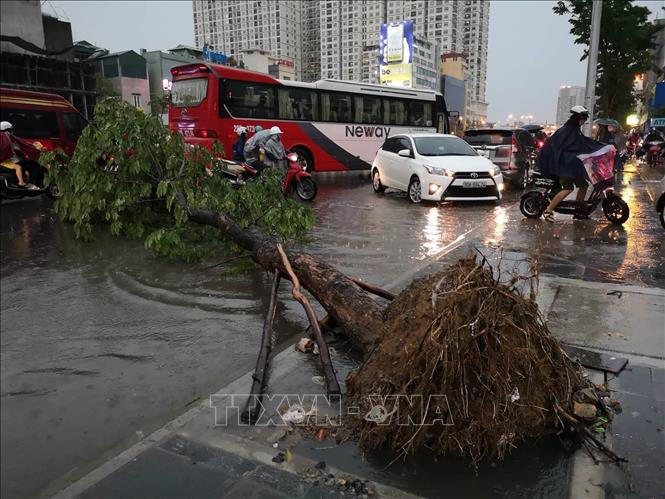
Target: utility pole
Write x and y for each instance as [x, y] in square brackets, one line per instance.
[590, 96]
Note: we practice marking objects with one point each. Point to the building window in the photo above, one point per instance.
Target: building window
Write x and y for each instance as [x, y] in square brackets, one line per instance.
[137, 100]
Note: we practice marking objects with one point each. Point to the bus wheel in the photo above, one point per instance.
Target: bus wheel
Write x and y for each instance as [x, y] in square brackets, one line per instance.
[305, 158]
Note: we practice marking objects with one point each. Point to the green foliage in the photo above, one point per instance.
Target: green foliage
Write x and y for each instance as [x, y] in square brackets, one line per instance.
[104, 87]
[127, 171]
[159, 102]
[624, 50]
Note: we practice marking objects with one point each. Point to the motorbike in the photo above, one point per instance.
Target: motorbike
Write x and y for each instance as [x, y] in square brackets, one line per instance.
[654, 152]
[534, 203]
[298, 178]
[36, 173]
[236, 172]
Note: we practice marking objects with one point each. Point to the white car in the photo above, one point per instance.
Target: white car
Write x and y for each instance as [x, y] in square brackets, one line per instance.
[435, 167]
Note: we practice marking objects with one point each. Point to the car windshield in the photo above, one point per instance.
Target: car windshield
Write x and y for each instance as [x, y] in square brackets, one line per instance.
[443, 146]
[489, 137]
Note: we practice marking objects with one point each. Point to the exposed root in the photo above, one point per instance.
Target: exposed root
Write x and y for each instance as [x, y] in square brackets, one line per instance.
[465, 365]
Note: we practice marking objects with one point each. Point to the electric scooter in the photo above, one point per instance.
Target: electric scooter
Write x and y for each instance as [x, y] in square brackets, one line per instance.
[534, 203]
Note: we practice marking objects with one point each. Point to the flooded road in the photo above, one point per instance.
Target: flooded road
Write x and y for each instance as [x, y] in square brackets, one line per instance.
[101, 342]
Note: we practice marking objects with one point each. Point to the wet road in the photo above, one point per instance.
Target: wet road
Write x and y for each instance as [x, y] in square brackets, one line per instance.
[101, 342]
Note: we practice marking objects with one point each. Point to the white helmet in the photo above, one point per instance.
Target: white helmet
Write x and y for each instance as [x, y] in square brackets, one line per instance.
[579, 110]
[5, 125]
[240, 130]
[275, 130]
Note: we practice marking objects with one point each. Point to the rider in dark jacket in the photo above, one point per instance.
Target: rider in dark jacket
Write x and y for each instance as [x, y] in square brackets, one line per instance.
[239, 146]
[558, 158]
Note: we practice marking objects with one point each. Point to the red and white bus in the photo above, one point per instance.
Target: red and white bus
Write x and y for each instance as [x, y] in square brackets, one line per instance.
[333, 125]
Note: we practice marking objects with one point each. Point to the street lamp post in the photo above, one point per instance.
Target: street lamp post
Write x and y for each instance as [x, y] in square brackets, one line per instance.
[590, 97]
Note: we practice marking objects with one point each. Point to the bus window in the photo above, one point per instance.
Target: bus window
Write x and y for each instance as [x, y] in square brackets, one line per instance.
[185, 93]
[74, 124]
[298, 104]
[419, 113]
[336, 107]
[368, 109]
[250, 100]
[394, 112]
[32, 124]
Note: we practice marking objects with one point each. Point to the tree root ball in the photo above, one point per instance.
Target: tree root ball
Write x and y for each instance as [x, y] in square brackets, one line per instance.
[465, 365]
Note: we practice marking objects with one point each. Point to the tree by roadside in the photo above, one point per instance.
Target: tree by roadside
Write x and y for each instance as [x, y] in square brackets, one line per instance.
[626, 39]
[475, 345]
[104, 87]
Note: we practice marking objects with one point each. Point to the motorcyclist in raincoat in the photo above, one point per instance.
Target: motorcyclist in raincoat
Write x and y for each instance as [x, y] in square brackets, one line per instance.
[266, 143]
[558, 158]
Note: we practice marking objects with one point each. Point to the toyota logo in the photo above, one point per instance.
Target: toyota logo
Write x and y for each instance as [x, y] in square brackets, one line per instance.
[474, 175]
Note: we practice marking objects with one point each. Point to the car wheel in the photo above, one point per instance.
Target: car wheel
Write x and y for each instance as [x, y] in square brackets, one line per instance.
[376, 182]
[415, 190]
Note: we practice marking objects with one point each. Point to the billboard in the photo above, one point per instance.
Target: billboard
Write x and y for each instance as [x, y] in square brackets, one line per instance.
[396, 54]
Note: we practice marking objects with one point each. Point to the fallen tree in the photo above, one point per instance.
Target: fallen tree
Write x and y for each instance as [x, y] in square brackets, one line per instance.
[460, 334]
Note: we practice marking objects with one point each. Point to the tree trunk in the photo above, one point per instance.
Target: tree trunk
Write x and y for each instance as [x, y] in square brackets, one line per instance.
[359, 315]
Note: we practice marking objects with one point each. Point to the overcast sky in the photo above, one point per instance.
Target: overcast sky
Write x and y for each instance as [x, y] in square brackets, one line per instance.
[531, 52]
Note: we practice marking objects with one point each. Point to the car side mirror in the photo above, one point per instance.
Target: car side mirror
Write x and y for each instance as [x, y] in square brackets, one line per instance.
[405, 153]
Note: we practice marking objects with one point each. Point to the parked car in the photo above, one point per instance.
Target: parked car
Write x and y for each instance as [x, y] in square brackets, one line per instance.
[511, 149]
[435, 167]
[660, 204]
[40, 117]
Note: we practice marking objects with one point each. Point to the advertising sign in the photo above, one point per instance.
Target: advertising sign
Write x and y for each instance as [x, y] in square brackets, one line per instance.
[396, 54]
[210, 56]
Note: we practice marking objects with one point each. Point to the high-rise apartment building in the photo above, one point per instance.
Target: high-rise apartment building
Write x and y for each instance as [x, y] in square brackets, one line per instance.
[229, 26]
[569, 96]
[340, 38]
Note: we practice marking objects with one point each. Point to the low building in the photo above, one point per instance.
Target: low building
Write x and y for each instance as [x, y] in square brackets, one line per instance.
[128, 74]
[36, 53]
[263, 61]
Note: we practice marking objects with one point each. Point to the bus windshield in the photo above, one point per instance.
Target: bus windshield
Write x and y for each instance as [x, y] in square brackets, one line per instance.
[190, 92]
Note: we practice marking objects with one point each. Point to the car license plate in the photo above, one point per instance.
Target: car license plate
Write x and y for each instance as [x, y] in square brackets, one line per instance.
[485, 153]
[470, 184]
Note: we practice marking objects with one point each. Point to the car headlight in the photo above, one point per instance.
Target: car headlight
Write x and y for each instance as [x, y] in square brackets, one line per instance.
[496, 171]
[434, 170]
[449, 173]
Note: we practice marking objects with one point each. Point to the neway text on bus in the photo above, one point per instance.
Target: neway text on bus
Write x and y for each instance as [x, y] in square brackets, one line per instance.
[367, 131]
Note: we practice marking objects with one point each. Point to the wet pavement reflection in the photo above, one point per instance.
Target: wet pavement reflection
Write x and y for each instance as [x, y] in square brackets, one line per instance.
[102, 343]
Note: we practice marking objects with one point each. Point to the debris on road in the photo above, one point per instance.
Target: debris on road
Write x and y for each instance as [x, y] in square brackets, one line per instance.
[305, 345]
[488, 371]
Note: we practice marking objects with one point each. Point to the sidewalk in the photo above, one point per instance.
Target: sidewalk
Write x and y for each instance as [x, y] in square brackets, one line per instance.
[193, 457]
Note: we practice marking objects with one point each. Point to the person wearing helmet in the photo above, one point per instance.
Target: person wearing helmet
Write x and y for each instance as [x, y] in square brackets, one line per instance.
[11, 148]
[239, 146]
[265, 143]
[558, 158]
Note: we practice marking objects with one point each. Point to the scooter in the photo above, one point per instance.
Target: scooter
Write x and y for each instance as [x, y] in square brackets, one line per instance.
[297, 177]
[236, 172]
[534, 203]
[9, 188]
[654, 152]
